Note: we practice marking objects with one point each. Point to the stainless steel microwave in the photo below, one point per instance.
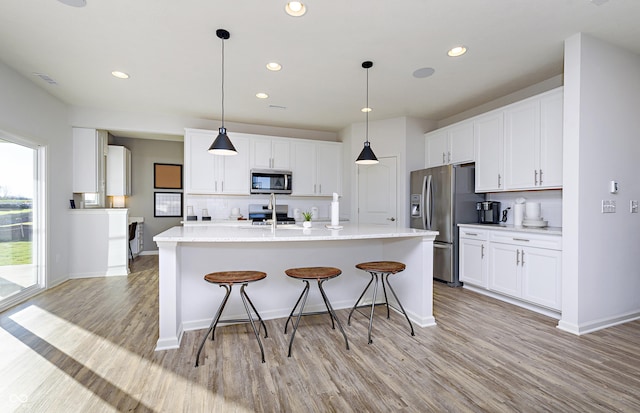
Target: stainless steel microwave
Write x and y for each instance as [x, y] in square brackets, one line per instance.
[267, 181]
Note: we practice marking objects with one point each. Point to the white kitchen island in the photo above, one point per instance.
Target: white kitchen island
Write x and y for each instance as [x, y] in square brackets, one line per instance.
[187, 253]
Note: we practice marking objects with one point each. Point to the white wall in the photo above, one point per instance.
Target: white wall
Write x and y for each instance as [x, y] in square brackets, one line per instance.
[29, 112]
[601, 276]
[402, 138]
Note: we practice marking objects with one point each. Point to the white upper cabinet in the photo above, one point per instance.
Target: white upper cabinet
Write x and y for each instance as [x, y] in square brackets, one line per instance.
[270, 153]
[451, 145]
[89, 160]
[437, 147]
[551, 126]
[328, 168]
[489, 144]
[213, 174]
[533, 143]
[316, 168]
[118, 171]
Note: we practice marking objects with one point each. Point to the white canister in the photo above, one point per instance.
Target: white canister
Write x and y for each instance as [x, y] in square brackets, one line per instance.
[518, 214]
[532, 210]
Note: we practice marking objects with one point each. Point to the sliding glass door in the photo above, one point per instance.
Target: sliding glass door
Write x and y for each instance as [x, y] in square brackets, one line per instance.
[19, 206]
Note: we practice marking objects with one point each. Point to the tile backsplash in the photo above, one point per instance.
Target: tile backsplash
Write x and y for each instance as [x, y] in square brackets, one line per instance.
[220, 207]
[550, 204]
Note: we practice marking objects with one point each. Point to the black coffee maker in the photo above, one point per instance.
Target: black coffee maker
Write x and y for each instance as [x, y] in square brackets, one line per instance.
[488, 212]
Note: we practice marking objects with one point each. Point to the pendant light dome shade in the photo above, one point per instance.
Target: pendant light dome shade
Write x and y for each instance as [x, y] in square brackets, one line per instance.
[367, 157]
[222, 144]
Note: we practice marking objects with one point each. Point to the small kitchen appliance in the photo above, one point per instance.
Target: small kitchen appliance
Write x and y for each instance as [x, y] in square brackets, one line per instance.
[488, 212]
[269, 181]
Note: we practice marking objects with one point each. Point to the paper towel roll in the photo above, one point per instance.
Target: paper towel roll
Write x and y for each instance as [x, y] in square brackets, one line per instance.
[518, 214]
[335, 214]
[532, 210]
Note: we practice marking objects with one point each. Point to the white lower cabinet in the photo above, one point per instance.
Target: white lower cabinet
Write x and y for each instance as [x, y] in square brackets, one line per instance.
[474, 259]
[524, 266]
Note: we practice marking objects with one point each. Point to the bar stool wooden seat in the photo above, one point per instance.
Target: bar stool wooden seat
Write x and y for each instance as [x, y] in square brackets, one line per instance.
[227, 279]
[383, 269]
[320, 274]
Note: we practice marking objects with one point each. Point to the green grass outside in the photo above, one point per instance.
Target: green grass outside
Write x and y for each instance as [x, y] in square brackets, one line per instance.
[15, 253]
[8, 211]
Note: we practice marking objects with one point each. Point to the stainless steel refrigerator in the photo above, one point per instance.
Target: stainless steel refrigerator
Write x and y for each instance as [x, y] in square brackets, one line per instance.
[441, 198]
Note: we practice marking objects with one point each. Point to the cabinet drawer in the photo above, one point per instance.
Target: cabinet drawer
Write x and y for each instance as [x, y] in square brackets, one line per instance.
[525, 239]
[472, 233]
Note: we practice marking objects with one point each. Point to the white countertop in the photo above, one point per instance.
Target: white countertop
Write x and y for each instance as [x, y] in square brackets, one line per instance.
[500, 227]
[245, 232]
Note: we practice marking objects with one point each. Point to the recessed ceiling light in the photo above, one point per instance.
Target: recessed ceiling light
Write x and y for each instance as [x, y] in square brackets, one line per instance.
[74, 3]
[457, 51]
[261, 95]
[423, 72]
[365, 110]
[274, 66]
[120, 75]
[295, 8]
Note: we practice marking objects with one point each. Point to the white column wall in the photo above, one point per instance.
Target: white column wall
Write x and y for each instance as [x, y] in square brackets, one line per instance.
[601, 278]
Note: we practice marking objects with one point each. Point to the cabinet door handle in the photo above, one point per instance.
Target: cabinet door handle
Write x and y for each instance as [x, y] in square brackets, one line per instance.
[222, 186]
[521, 239]
[449, 157]
[443, 161]
[499, 177]
[216, 186]
[482, 251]
[522, 260]
[535, 177]
[320, 189]
[314, 188]
[540, 176]
[471, 233]
[517, 257]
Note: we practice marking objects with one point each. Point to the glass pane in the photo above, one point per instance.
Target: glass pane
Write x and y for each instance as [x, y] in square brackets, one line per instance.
[18, 269]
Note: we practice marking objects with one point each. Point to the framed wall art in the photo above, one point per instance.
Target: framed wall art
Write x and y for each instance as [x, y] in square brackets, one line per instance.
[167, 176]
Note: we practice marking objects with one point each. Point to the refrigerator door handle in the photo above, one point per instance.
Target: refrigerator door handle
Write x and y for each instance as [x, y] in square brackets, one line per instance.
[423, 202]
[427, 211]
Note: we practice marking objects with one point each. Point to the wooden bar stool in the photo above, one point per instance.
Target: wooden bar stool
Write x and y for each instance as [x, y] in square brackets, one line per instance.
[321, 274]
[383, 269]
[226, 279]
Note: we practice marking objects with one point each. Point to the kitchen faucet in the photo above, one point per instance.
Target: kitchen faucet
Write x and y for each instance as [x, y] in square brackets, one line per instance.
[272, 206]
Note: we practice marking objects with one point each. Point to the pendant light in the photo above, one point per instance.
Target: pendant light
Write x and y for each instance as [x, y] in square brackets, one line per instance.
[367, 157]
[222, 145]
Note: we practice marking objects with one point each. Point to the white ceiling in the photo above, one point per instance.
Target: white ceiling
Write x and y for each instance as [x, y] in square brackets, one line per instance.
[173, 56]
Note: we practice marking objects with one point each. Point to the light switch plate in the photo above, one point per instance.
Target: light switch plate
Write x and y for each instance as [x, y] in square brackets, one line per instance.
[608, 206]
[633, 206]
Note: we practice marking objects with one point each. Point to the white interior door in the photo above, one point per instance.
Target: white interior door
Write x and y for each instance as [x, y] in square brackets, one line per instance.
[377, 197]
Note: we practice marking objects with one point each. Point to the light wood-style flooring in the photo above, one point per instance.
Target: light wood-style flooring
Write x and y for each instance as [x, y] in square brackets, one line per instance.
[88, 346]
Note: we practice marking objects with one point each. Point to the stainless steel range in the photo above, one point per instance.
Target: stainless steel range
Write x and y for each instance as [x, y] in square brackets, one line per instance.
[261, 215]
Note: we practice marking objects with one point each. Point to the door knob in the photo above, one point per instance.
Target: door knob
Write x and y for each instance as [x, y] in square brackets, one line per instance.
[391, 219]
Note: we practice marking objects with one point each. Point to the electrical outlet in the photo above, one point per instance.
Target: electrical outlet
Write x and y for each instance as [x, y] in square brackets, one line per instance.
[633, 206]
[608, 206]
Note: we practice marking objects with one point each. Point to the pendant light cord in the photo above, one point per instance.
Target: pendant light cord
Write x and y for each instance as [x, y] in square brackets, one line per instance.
[223, 83]
[367, 109]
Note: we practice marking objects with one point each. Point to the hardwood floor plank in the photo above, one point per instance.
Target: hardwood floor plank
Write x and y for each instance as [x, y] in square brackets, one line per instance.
[88, 345]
